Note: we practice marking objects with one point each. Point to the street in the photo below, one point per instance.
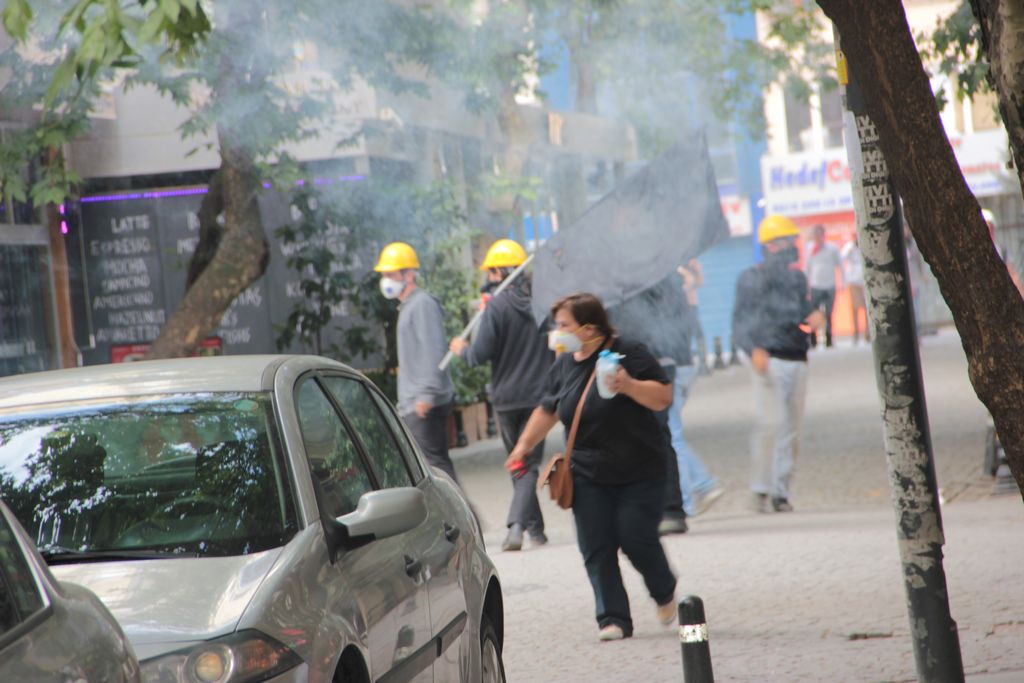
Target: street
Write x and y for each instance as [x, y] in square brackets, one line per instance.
[816, 595]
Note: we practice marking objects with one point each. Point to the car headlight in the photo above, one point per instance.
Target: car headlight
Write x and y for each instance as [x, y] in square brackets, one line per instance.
[243, 657]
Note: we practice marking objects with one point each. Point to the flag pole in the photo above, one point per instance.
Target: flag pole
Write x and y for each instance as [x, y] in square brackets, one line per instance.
[443, 365]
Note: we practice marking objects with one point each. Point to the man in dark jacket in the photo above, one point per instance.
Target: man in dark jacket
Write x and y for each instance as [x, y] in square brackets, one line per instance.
[660, 316]
[509, 339]
[771, 322]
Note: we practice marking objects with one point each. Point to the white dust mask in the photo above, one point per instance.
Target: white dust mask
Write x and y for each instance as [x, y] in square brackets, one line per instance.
[561, 341]
[391, 289]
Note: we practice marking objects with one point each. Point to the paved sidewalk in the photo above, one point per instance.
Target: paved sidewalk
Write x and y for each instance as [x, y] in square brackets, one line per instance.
[815, 595]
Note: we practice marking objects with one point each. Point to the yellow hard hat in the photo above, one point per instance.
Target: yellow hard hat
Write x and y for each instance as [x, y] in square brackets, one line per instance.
[396, 256]
[775, 226]
[504, 254]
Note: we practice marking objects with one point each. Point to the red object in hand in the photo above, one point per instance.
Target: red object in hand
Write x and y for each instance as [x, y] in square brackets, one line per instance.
[518, 469]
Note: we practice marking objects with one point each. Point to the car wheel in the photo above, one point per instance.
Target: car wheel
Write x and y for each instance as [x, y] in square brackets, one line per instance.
[492, 668]
[351, 669]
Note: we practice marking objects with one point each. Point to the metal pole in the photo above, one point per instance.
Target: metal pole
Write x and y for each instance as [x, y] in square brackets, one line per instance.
[901, 390]
[693, 639]
[476, 317]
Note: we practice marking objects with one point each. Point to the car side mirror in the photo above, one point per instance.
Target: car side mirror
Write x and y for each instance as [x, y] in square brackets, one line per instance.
[381, 514]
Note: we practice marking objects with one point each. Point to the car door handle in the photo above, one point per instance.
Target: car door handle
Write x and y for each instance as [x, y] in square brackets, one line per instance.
[451, 532]
[412, 567]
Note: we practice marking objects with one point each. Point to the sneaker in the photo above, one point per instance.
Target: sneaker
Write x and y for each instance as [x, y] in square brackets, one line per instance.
[781, 505]
[514, 540]
[672, 525]
[667, 612]
[611, 632]
[538, 538]
[760, 503]
[702, 501]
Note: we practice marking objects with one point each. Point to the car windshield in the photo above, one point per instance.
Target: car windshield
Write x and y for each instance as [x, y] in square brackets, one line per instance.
[190, 475]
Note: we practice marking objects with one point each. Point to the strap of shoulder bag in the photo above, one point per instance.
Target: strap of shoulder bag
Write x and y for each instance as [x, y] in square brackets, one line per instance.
[576, 418]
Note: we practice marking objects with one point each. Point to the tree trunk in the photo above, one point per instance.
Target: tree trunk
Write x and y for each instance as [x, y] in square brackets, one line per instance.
[63, 316]
[231, 257]
[210, 230]
[1002, 38]
[240, 260]
[944, 216]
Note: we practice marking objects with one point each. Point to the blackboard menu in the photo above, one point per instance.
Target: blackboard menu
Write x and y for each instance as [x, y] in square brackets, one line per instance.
[137, 249]
[122, 261]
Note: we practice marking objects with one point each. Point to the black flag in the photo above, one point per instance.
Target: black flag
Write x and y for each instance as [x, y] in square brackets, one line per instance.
[655, 221]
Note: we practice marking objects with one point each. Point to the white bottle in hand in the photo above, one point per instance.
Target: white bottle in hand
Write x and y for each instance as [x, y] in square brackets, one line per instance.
[607, 363]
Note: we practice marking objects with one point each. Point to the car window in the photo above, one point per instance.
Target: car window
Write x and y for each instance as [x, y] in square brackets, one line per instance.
[396, 427]
[333, 456]
[193, 474]
[20, 596]
[377, 435]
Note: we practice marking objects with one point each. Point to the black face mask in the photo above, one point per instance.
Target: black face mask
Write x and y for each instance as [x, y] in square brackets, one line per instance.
[488, 287]
[784, 256]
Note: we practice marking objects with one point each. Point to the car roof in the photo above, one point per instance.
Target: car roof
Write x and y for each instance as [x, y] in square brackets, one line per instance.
[209, 374]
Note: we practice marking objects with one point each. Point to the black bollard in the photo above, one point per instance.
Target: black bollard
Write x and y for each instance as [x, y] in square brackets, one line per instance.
[693, 639]
[719, 361]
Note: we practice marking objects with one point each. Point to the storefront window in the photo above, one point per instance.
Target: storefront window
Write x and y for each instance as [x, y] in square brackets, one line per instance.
[25, 312]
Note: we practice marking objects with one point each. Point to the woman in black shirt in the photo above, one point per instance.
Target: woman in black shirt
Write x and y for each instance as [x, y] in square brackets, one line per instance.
[618, 460]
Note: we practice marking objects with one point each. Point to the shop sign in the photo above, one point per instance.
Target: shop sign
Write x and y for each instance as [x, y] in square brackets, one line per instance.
[736, 210]
[815, 183]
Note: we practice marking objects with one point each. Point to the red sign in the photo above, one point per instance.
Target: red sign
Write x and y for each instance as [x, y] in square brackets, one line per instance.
[126, 353]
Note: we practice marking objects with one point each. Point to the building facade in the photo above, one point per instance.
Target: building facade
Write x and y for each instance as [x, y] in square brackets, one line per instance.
[117, 257]
[807, 178]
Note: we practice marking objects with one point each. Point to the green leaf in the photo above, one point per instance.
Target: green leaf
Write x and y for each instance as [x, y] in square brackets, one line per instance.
[61, 79]
[17, 15]
[15, 187]
[151, 27]
[43, 194]
[93, 43]
[190, 5]
[171, 9]
[76, 16]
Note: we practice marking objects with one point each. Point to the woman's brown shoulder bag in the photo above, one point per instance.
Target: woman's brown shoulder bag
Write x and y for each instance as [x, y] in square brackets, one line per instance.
[557, 474]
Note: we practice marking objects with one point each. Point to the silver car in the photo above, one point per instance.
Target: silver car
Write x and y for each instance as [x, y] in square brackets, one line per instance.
[252, 518]
[52, 631]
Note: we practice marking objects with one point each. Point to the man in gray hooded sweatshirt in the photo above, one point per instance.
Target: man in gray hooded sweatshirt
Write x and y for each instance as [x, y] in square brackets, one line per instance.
[516, 347]
[425, 393]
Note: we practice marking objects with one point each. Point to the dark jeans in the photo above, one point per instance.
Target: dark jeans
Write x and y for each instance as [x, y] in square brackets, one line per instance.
[431, 434]
[612, 517]
[524, 508]
[823, 299]
[673, 492]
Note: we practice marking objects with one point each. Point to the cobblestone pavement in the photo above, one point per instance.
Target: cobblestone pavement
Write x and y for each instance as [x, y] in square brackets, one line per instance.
[815, 595]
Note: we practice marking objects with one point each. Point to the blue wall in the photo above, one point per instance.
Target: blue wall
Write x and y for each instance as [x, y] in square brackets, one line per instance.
[556, 84]
[722, 265]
